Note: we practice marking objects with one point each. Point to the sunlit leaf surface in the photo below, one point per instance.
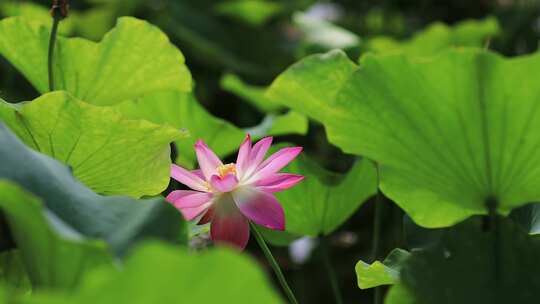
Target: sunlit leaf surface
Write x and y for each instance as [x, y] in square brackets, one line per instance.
[325, 200]
[108, 153]
[450, 133]
[438, 37]
[134, 59]
[381, 273]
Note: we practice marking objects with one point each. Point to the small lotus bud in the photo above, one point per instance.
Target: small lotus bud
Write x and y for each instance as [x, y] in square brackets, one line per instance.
[60, 9]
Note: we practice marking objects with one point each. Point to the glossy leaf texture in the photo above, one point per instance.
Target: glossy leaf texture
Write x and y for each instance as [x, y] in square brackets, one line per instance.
[449, 133]
[108, 153]
[183, 111]
[156, 273]
[438, 37]
[381, 273]
[120, 221]
[472, 264]
[53, 253]
[134, 59]
[324, 200]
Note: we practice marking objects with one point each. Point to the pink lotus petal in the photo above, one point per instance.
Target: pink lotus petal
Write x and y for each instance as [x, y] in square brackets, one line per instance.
[242, 161]
[260, 207]
[259, 151]
[191, 213]
[190, 203]
[278, 182]
[256, 156]
[229, 225]
[188, 178]
[275, 163]
[225, 184]
[198, 172]
[208, 161]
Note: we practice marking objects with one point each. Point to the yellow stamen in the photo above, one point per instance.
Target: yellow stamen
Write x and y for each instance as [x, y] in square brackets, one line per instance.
[223, 170]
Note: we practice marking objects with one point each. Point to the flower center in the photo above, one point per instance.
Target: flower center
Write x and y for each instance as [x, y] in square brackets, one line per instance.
[223, 170]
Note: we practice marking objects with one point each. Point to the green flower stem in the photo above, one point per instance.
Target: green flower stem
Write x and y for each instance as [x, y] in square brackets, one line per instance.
[493, 227]
[52, 43]
[330, 270]
[273, 263]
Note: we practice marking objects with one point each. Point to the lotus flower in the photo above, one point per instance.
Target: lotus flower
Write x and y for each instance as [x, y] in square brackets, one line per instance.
[230, 195]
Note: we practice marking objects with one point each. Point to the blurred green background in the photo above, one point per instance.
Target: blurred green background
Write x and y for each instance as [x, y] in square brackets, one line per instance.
[256, 40]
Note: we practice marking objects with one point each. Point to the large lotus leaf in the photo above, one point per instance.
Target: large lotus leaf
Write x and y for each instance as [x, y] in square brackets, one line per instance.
[324, 200]
[53, 254]
[155, 273]
[381, 273]
[450, 133]
[120, 221]
[438, 37]
[472, 264]
[311, 85]
[133, 59]
[108, 153]
[183, 111]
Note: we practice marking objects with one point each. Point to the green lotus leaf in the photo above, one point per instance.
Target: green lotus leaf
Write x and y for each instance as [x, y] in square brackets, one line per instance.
[324, 200]
[155, 273]
[108, 153]
[134, 59]
[53, 253]
[450, 133]
[311, 85]
[183, 111]
[472, 264]
[438, 37]
[120, 221]
[381, 273]
[177, 278]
